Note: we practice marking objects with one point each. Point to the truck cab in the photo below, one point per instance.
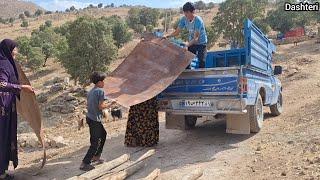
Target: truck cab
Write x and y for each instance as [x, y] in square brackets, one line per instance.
[236, 83]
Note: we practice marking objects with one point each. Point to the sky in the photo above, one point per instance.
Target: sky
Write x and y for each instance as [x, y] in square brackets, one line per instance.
[61, 5]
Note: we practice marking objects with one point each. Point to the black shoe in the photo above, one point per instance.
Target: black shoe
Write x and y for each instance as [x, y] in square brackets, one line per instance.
[86, 167]
[7, 177]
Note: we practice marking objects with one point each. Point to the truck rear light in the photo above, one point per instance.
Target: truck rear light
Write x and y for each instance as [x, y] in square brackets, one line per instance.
[165, 103]
[243, 85]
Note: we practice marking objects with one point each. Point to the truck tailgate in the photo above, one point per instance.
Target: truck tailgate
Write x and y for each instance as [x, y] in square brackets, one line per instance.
[215, 81]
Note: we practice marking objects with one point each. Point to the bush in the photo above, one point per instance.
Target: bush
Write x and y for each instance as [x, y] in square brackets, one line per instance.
[36, 58]
[24, 46]
[22, 16]
[24, 24]
[39, 12]
[90, 48]
[149, 28]
[142, 17]
[27, 14]
[120, 30]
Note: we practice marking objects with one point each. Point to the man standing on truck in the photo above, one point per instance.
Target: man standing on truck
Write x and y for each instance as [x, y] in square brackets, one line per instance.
[198, 39]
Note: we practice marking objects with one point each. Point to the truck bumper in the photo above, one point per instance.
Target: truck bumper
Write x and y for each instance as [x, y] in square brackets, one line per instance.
[217, 106]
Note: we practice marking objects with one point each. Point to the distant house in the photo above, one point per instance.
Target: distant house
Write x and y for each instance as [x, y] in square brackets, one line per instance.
[297, 32]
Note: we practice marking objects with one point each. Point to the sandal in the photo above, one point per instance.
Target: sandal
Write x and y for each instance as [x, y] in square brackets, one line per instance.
[7, 177]
[98, 161]
[86, 167]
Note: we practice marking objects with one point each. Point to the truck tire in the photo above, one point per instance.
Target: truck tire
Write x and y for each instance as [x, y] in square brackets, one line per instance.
[276, 109]
[190, 122]
[256, 115]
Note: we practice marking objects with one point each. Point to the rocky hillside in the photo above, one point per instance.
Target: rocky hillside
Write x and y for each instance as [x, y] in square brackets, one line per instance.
[12, 8]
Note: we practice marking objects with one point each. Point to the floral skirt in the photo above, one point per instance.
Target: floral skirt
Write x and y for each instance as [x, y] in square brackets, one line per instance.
[143, 125]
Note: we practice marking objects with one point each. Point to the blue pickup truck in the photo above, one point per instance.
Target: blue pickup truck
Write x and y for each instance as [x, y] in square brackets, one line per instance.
[236, 84]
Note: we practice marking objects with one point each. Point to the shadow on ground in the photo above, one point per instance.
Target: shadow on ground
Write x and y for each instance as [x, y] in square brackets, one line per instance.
[175, 150]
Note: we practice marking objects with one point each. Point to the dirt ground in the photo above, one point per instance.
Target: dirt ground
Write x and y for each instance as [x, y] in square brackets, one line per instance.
[288, 147]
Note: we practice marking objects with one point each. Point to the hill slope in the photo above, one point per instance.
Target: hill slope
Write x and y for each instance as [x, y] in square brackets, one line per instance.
[12, 8]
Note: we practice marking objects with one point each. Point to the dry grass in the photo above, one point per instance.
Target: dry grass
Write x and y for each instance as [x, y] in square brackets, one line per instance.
[14, 31]
[12, 8]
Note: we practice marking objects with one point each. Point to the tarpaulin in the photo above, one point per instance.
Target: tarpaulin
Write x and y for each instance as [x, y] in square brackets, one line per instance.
[28, 109]
[149, 69]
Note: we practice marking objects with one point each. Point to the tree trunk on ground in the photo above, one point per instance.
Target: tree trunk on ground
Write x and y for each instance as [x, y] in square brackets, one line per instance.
[45, 62]
[103, 168]
[153, 175]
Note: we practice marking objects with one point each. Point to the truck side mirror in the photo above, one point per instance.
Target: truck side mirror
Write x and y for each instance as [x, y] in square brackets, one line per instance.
[277, 70]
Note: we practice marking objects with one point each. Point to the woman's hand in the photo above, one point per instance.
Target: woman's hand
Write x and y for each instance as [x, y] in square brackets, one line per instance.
[27, 88]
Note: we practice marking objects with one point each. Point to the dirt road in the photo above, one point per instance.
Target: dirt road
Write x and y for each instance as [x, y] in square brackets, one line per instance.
[288, 147]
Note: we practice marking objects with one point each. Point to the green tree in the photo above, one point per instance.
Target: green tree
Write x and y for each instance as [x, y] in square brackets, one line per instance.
[22, 16]
[149, 28]
[283, 21]
[167, 22]
[90, 48]
[63, 30]
[231, 15]
[100, 5]
[120, 30]
[11, 20]
[24, 46]
[39, 12]
[210, 5]
[149, 16]
[48, 23]
[262, 24]
[27, 14]
[133, 17]
[48, 50]
[146, 16]
[36, 58]
[72, 8]
[24, 24]
[3, 21]
[139, 28]
[48, 41]
[200, 5]
[112, 5]
[121, 34]
[212, 37]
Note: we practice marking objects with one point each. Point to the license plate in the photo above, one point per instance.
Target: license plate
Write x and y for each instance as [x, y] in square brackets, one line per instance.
[197, 103]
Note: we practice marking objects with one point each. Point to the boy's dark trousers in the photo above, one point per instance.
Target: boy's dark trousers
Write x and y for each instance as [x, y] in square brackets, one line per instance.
[97, 139]
[201, 51]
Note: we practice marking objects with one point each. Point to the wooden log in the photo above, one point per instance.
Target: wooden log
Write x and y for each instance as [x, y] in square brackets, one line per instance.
[193, 175]
[153, 175]
[119, 176]
[146, 155]
[129, 170]
[125, 173]
[77, 178]
[103, 168]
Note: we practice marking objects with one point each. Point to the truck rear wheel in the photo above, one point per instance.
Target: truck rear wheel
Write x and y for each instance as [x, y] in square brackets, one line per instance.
[276, 109]
[190, 122]
[256, 115]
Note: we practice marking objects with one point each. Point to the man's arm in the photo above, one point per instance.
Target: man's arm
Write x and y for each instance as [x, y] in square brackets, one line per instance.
[195, 40]
[175, 33]
[103, 105]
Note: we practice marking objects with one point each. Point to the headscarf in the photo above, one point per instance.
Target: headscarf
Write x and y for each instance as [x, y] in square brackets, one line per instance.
[6, 48]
